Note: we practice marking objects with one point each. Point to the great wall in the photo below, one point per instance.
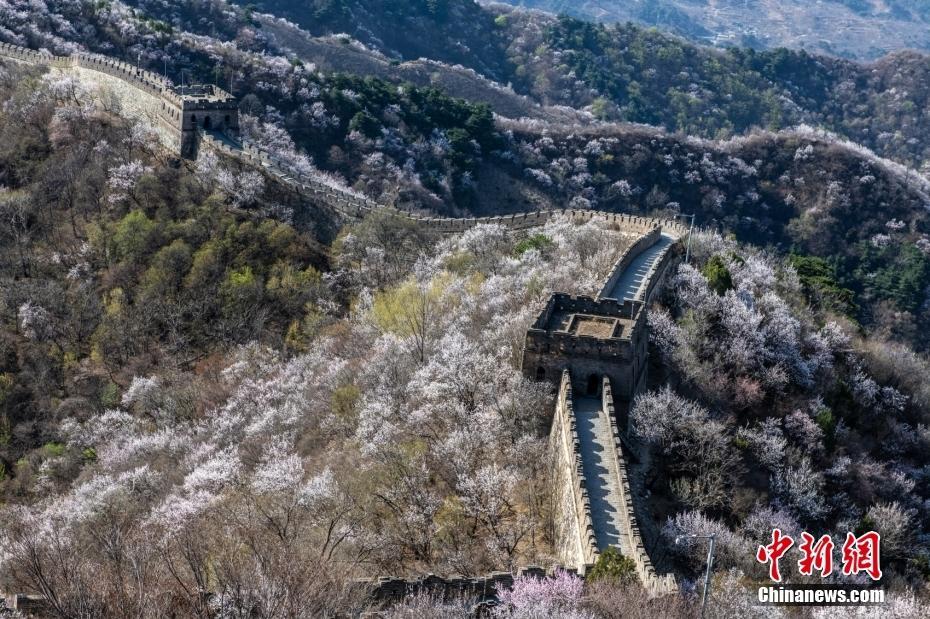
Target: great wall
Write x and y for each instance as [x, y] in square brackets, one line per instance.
[177, 113]
[592, 350]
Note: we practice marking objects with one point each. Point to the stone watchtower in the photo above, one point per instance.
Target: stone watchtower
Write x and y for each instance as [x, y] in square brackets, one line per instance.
[592, 339]
[203, 107]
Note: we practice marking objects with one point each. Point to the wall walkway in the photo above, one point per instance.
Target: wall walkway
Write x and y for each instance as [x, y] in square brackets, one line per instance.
[576, 544]
[607, 517]
[601, 480]
[633, 281]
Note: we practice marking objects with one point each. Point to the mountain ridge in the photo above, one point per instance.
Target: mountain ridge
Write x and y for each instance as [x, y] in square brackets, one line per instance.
[862, 29]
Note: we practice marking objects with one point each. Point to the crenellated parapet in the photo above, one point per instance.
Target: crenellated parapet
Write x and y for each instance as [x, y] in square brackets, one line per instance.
[589, 337]
[352, 205]
[655, 583]
[659, 271]
[24, 54]
[389, 589]
[575, 542]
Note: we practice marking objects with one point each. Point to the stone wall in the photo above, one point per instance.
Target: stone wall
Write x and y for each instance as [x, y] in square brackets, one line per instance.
[133, 103]
[547, 352]
[23, 54]
[654, 583]
[142, 94]
[27, 605]
[644, 242]
[481, 588]
[576, 545]
[353, 206]
[668, 259]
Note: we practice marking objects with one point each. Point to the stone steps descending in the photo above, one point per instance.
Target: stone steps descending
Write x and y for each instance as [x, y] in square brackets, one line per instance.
[596, 442]
[634, 277]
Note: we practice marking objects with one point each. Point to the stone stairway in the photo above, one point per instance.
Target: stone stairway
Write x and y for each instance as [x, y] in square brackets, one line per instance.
[634, 277]
[600, 471]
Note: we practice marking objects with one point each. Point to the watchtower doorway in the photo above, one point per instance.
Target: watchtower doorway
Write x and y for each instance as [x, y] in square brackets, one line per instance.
[207, 124]
[594, 384]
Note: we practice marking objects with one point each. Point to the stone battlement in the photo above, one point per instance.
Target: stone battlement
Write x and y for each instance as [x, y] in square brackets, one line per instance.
[575, 540]
[353, 206]
[481, 588]
[589, 337]
[655, 583]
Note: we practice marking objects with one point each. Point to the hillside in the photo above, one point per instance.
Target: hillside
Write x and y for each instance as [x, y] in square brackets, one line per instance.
[420, 149]
[220, 397]
[195, 375]
[185, 359]
[620, 73]
[450, 31]
[864, 29]
[625, 72]
[337, 54]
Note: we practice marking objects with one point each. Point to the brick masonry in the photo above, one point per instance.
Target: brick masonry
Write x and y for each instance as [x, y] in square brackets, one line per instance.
[575, 544]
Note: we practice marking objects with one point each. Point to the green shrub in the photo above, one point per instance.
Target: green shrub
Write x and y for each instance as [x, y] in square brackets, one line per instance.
[898, 273]
[6, 386]
[133, 236]
[818, 277]
[539, 242]
[54, 450]
[365, 123]
[826, 421]
[717, 275]
[109, 395]
[613, 566]
[6, 430]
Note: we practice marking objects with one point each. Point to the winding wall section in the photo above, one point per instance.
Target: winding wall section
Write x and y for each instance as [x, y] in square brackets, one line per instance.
[143, 95]
[352, 205]
[595, 465]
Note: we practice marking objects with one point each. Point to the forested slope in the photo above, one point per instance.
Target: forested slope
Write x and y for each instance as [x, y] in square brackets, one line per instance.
[205, 374]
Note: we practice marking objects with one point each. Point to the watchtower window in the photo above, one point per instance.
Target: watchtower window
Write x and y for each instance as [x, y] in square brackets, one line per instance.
[194, 119]
[226, 119]
[206, 123]
[540, 373]
[593, 384]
